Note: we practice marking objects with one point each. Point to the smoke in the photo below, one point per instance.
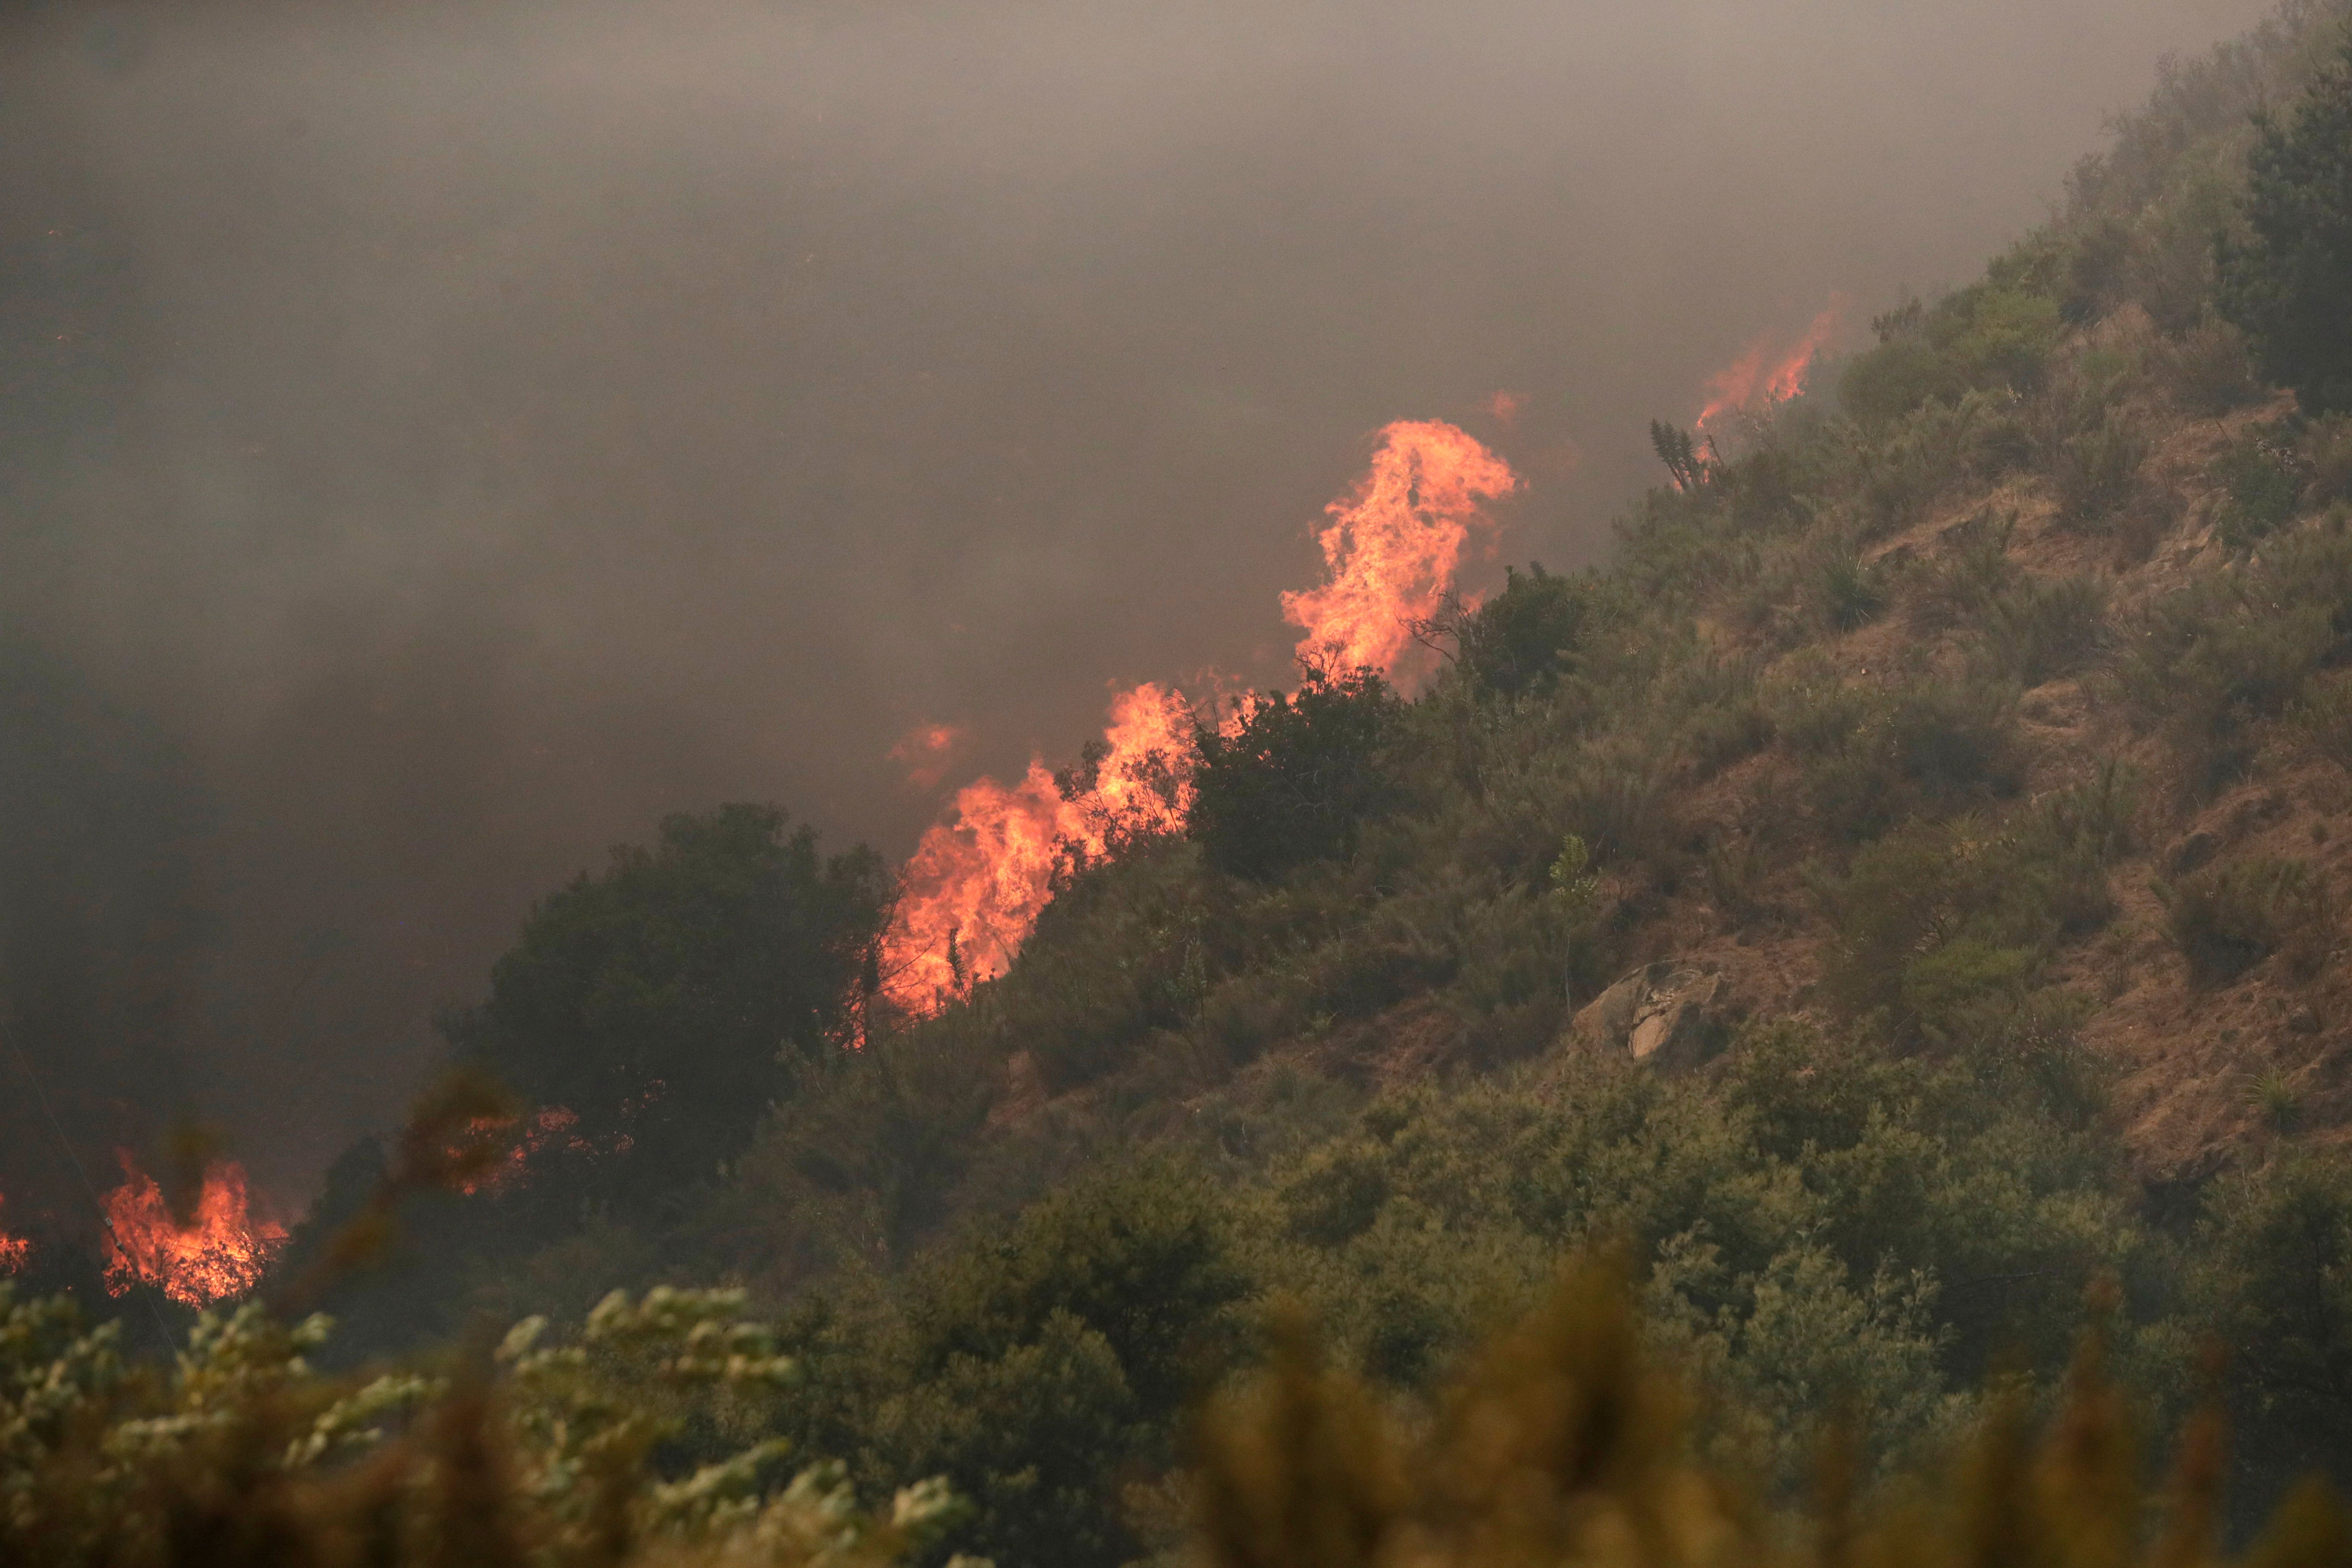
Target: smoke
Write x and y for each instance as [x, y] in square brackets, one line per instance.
[466, 431]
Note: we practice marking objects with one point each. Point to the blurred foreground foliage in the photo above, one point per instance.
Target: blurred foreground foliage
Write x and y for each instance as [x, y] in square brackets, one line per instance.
[1565, 1438]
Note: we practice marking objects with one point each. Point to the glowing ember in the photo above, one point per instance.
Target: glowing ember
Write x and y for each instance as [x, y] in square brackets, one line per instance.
[981, 874]
[1392, 546]
[925, 752]
[14, 1249]
[1752, 385]
[221, 1252]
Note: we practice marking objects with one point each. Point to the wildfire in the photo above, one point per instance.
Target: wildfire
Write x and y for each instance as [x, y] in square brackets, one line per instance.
[1392, 546]
[14, 1249]
[222, 1251]
[984, 872]
[1755, 384]
[981, 874]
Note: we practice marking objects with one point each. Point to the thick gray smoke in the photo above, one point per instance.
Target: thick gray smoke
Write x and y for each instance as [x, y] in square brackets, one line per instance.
[472, 429]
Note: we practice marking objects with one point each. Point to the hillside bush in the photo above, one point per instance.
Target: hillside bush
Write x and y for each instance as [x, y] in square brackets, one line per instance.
[2262, 477]
[1525, 636]
[2275, 1280]
[1871, 757]
[662, 1002]
[1299, 777]
[2285, 280]
[2229, 917]
[2041, 628]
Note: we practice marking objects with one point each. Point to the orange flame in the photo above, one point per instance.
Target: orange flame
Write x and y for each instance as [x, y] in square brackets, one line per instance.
[925, 752]
[221, 1252]
[976, 884]
[1504, 407]
[982, 873]
[14, 1249]
[1749, 385]
[1392, 546]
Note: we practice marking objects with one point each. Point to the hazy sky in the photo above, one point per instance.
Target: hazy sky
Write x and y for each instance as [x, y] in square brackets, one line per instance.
[471, 430]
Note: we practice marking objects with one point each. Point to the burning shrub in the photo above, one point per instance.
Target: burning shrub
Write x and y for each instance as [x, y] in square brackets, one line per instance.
[1299, 777]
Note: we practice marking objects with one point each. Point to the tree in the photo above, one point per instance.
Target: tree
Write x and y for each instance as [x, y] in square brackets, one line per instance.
[1298, 779]
[2284, 284]
[663, 1002]
[1524, 637]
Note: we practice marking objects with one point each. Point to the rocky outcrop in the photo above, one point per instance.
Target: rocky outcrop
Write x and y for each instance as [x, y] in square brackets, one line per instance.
[1667, 1015]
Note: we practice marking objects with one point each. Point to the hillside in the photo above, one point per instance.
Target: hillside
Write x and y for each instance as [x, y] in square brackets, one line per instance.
[1896, 900]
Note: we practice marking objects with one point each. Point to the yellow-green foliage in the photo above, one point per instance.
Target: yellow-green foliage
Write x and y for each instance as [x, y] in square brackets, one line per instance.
[1563, 1443]
[242, 1455]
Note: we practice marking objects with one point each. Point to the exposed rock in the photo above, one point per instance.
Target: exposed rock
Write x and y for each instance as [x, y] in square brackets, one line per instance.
[1665, 1014]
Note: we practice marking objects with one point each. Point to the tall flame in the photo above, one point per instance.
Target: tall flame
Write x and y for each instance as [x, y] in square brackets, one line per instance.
[982, 873]
[1752, 383]
[221, 1252]
[1393, 544]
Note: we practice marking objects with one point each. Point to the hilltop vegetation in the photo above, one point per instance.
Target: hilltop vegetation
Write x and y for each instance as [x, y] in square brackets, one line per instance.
[1896, 901]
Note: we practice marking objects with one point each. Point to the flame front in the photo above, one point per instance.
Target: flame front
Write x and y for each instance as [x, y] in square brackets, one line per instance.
[1392, 546]
[979, 879]
[982, 875]
[221, 1252]
[1748, 385]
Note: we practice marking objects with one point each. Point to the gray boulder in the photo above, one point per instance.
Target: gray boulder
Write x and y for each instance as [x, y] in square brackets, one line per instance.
[1666, 1014]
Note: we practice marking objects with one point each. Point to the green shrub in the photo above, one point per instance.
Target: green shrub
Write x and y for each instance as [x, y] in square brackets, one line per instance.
[1925, 454]
[2209, 664]
[625, 1446]
[2208, 369]
[1125, 948]
[1569, 1438]
[2285, 281]
[2095, 471]
[1970, 568]
[2229, 918]
[1299, 778]
[2322, 721]
[1853, 592]
[1870, 758]
[1525, 636]
[1142, 1257]
[2262, 478]
[2042, 627]
[2274, 1281]
[665, 1002]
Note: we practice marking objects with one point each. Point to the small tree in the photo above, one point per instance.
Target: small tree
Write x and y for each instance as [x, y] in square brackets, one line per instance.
[1526, 636]
[2285, 283]
[1299, 778]
[662, 1001]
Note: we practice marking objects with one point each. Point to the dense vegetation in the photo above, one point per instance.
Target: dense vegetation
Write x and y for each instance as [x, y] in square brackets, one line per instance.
[1893, 906]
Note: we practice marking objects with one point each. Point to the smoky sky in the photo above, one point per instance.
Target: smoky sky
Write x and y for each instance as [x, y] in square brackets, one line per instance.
[462, 433]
